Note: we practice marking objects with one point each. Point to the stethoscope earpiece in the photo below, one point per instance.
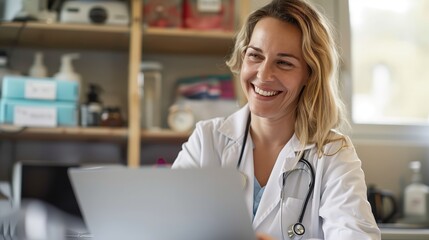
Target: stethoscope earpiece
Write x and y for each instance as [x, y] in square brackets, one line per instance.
[296, 229]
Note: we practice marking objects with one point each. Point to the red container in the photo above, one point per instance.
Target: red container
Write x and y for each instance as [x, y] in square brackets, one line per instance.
[209, 14]
[163, 13]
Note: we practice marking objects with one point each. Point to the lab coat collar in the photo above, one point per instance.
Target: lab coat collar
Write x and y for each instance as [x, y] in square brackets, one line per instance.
[234, 125]
[234, 128]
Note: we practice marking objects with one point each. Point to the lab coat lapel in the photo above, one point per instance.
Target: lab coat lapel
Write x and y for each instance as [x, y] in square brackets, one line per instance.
[234, 128]
[286, 161]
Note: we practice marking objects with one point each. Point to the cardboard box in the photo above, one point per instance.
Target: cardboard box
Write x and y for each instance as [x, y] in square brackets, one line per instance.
[46, 89]
[38, 113]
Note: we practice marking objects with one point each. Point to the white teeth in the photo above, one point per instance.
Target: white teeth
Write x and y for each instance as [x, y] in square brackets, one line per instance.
[265, 93]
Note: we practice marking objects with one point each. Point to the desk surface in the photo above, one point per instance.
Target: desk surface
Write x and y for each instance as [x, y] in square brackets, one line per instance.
[404, 234]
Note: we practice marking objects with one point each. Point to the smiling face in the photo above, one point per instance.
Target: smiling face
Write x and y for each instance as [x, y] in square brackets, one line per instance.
[274, 72]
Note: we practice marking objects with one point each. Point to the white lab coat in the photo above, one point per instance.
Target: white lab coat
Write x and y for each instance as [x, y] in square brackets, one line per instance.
[338, 208]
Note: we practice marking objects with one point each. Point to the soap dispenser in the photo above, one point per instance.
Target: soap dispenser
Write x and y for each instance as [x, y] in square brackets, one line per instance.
[67, 72]
[416, 198]
[38, 69]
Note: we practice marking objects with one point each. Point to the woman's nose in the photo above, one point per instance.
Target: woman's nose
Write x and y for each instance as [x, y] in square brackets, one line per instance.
[265, 72]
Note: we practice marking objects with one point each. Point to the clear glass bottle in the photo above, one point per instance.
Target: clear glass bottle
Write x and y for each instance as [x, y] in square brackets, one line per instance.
[150, 82]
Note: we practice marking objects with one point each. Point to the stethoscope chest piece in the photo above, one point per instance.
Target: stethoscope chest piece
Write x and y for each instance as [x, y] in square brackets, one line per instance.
[296, 229]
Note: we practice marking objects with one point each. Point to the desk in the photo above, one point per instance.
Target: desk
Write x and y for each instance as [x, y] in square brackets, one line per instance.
[404, 234]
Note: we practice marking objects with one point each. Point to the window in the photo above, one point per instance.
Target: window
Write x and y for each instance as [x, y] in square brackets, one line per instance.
[385, 47]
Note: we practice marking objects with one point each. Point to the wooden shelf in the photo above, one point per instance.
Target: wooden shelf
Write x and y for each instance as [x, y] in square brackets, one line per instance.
[88, 133]
[63, 133]
[61, 35]
[184, 41]
[163, 135]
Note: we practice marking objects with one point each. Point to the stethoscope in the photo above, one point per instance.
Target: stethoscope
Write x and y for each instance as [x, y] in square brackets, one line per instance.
[298, 228]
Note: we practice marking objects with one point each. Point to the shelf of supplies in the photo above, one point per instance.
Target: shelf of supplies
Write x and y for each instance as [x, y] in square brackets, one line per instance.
[62, 35]
[163, 135]
[63, 133]
[185, 41]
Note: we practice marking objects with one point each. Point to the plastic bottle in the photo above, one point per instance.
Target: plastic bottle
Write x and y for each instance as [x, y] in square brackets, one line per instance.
[4, 67]
[67, 72]
[38, 69]
[416, 198]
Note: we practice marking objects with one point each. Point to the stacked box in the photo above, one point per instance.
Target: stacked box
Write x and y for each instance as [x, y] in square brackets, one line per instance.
[209, 14]
[163, 13]
[41, 102]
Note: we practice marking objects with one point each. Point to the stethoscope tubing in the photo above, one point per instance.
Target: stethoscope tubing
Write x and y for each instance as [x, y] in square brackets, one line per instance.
[285, 175]
[246, 133]
[310, 189]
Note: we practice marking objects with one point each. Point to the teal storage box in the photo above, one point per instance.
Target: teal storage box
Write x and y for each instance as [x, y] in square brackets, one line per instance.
[38, 113]
[50, 89]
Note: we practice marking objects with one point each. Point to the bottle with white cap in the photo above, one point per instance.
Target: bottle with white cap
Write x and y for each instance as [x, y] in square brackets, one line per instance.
[38, 69]
[416, 198]
[67, 71]
[150, 81]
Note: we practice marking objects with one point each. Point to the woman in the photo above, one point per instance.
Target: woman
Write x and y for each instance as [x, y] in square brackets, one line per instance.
[286, 61]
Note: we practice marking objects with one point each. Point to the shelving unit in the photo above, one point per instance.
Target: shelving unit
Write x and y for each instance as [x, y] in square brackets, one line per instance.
[183, 41]
[133, 39]
[164, 135]
[64, 133]
[60, 35]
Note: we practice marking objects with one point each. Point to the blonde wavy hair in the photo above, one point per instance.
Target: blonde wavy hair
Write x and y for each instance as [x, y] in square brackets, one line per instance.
[320, 109]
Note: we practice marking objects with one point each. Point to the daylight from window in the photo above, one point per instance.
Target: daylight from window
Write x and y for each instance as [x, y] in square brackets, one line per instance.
[390, 61]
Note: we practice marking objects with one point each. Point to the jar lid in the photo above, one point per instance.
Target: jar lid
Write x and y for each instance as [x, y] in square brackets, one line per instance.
[144, 66]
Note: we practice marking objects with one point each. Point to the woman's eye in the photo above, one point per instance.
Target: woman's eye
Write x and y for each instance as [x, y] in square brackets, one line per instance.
[285, 64]
[253, 56]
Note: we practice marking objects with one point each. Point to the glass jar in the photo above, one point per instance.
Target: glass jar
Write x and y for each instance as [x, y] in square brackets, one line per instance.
[111, 117]
[150, 80]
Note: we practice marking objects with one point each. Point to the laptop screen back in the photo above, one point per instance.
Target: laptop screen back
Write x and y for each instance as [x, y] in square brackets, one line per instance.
[163, 204]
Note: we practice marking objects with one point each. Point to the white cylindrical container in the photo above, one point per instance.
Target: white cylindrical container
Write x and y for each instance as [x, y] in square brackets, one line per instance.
[150, 81]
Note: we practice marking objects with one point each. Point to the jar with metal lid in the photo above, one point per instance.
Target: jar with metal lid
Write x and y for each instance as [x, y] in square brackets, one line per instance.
[111, 117]
[150, 82]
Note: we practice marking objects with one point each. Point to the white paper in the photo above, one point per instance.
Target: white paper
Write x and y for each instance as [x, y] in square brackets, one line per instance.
[40, 90]
[35, 116]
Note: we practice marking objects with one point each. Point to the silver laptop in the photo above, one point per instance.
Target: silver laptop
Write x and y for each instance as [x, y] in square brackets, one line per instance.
[162, 204]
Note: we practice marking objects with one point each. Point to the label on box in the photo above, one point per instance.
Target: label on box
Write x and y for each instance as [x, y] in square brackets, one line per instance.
[35, 116]
[40, 90]
[209, 5]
